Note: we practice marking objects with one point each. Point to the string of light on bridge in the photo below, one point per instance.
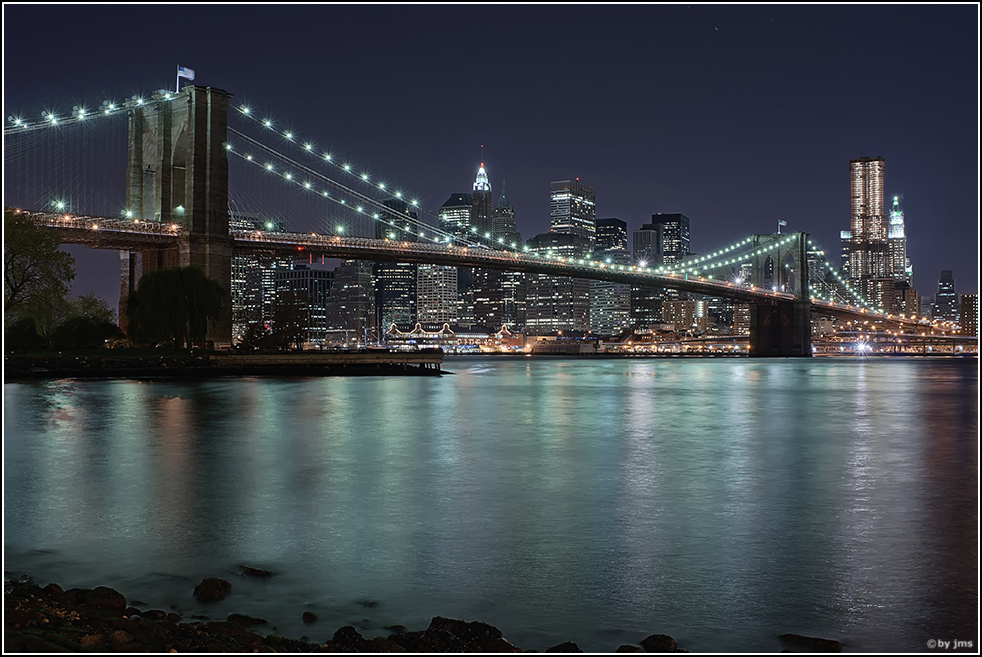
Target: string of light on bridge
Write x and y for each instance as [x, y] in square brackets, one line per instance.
[50, 119]
[326, 157]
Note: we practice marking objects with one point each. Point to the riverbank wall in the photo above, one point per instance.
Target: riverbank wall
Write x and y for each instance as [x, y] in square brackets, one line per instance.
[111, 365]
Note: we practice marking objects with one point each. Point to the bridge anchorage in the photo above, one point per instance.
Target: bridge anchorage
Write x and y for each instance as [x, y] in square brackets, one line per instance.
[177, 195]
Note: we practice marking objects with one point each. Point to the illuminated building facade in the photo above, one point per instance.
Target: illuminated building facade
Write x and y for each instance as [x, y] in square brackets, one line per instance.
[610, 302]
[481, 204]
[573, 209]
[310, 290]
[900, 267]
[869, 251]
[455, 215]
[611, 234]
[395, 282]
[557, 303]
[970, 314]
[436, 294]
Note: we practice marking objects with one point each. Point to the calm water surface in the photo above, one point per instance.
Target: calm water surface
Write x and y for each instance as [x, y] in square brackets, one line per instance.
[722, 501]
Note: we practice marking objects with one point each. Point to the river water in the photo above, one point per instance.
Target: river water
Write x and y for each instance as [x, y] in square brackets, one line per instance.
[721, 501]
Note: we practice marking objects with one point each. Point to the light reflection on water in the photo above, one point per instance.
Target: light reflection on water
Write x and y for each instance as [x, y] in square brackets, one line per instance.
[724, 502]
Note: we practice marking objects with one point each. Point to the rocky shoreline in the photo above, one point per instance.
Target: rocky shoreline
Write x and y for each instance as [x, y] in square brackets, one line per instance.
[51, 619]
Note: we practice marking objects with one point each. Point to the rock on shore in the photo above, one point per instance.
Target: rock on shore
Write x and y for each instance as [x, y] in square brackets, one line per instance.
[51, 619]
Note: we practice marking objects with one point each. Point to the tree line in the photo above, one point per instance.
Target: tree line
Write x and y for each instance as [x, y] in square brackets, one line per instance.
[170, 306]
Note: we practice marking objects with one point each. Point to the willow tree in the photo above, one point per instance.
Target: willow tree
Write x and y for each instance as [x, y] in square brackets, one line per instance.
[174, 305]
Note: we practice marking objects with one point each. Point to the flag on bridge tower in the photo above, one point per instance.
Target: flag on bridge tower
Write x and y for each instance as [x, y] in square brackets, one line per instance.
[780, 222]
[184, 72]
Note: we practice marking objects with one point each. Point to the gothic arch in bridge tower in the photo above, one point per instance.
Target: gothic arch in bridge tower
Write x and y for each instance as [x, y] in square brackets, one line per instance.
[177, 172]
[780, 327]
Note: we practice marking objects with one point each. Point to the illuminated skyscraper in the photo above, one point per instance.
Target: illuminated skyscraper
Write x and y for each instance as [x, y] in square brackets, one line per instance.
[481, 204]
[455, 215]
[395, 282]
[573, 209]
[900, 267]
[868, 250]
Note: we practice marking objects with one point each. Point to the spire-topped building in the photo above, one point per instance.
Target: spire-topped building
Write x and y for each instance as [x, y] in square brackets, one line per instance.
[482, 203]
[897, 239]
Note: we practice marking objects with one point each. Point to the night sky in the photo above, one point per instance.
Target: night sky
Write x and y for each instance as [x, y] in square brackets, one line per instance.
[736, 116]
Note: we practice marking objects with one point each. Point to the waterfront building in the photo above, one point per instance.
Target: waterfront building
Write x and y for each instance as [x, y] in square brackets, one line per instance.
[686, 315]
[610, 302]
[436, 294]
[646, 300]
[351, 316]
[308, 289]
[970, 315]
[253, 279]
[573, 209]
[395, 282]
[557, 303]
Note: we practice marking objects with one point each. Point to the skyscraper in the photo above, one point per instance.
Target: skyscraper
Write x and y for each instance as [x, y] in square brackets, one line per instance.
[611, 233]
[455, 215]
[900, 267]
[946, 301]
[395, 282]
[481, 204]
[868, 248]
[573, 209]
[673, 236]
[557, 303]
[970, 314]
[503, 223]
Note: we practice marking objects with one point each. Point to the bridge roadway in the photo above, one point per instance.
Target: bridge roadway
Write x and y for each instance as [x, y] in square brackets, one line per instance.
[107, 233]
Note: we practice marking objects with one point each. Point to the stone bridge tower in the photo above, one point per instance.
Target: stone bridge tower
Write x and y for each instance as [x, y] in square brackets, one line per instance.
[178, 173]
[781, 328]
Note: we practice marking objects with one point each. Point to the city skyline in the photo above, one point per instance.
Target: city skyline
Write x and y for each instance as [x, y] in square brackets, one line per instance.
[736, 117]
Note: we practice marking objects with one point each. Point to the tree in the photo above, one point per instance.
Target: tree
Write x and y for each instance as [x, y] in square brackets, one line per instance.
[90, 323]
[36, 275]
[174, 305]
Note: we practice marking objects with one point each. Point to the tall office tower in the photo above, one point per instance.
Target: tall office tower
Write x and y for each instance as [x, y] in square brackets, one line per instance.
[646, 300]
[946, 301]
[557, 303]
[310, 291]
[503, 225]
[869, 252]
[573, 209]
[482, 206]
[455, 216]
[395, 282]
[900, 267]
[610, 302]
[436, 294]
[611, 234]
[351, 305]
[673, 236]
[253, 282]
[970, 314]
